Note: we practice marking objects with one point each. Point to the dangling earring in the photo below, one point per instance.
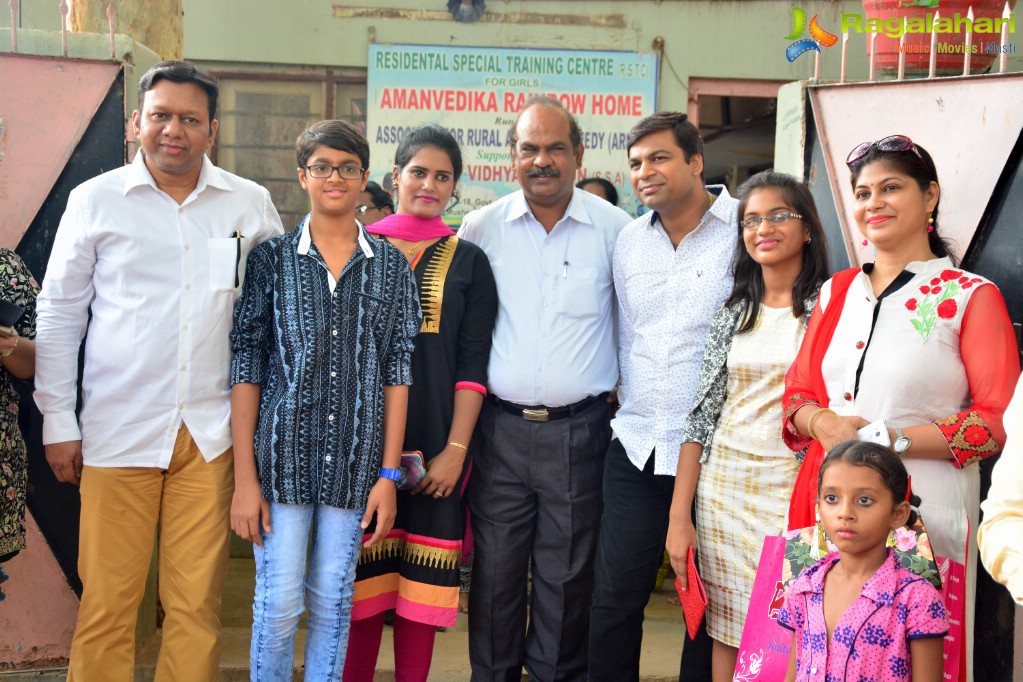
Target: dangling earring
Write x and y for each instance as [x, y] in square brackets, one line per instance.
[891, 538]
[808, 240]
[820, 536]
[930, 222]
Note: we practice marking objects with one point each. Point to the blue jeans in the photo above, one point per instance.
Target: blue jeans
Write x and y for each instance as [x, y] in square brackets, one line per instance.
[282, 583]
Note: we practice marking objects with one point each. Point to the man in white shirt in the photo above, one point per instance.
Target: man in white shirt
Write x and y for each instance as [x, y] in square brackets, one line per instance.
[672, 271]
[999, 534]
[542, 434]
[155, 251]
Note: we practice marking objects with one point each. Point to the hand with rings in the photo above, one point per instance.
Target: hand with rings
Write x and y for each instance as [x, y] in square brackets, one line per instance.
[443, 474]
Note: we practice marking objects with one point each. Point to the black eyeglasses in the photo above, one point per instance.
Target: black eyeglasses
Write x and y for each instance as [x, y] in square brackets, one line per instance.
[892, 143]
[366, 207]
[322, 171]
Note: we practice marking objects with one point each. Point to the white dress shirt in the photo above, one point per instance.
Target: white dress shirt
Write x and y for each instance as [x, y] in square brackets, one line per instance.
[667, 297]
[554, 341]
[999, 535]
[160, 280]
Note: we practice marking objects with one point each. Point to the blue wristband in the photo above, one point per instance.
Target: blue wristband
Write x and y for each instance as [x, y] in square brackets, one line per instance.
[392, 474]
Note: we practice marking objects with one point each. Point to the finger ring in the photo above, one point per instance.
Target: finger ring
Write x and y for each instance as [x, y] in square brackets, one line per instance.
[438, 494]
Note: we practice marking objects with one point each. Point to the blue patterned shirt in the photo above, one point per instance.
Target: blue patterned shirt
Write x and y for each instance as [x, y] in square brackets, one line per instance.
[322, 352]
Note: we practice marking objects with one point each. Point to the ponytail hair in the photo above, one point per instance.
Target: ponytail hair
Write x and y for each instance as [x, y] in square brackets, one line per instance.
[882, 460]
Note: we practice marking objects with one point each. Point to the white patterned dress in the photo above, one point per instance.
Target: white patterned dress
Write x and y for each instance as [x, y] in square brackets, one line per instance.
[747, 477]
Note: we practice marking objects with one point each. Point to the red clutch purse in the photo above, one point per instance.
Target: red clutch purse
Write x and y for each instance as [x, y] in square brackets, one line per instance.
[694, 599]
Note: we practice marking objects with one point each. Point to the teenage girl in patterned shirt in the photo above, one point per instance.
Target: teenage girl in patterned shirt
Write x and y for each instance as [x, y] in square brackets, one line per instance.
[857, 614]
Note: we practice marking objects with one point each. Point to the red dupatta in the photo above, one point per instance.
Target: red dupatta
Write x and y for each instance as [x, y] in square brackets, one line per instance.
[804, 385]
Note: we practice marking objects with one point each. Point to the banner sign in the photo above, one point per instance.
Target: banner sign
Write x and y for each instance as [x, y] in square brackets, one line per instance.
[475, 92]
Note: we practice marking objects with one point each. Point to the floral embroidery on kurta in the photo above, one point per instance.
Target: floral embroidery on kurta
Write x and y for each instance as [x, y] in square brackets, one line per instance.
[968, 437]
[938, 300]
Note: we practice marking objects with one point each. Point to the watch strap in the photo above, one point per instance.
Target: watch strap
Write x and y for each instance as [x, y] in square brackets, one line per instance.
[902, 441]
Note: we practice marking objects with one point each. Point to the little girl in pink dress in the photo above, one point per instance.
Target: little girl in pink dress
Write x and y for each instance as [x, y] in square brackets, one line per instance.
[858, 614]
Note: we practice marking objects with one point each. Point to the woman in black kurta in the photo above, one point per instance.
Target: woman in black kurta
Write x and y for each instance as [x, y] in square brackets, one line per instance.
[415, 569]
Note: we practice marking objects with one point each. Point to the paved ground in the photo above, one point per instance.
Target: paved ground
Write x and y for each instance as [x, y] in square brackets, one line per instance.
[662, 642]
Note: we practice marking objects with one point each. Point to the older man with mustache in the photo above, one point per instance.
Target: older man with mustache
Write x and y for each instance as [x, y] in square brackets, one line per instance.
[543, 432]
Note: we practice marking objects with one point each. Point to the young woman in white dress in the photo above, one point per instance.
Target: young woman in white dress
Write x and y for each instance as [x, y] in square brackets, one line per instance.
[733, 457]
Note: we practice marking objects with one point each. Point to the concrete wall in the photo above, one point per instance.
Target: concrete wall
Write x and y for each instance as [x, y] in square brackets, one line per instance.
[719, 39]
[732, 39]
[40, 14]
[38, 616]
[741, 40]
[156, 23]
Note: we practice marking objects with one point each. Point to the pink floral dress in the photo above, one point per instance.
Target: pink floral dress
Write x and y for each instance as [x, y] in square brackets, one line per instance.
[871, 640]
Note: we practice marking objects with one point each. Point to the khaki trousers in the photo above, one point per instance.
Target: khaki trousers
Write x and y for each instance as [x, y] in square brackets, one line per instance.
[122, 507]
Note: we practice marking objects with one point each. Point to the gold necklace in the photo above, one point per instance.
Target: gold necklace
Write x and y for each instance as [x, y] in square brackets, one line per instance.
[415, 246]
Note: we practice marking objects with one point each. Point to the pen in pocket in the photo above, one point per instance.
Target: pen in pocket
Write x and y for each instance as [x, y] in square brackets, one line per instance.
[237, 236]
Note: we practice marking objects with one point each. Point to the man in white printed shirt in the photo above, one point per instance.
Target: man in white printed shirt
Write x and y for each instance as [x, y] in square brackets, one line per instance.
[542, 434]
[155, 251]
[672, 271]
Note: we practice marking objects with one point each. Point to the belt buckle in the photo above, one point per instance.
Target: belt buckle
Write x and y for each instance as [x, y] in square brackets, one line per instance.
[541, 415]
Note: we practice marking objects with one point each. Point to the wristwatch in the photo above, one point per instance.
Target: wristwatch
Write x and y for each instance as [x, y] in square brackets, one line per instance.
[902, 442]
[396, 475]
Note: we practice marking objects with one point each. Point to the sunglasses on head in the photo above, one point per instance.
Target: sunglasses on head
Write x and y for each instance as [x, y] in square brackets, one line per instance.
[892, 143]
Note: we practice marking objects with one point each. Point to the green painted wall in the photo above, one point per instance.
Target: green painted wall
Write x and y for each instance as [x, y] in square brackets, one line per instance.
[41, 14]
[706, 39]
[702, 39]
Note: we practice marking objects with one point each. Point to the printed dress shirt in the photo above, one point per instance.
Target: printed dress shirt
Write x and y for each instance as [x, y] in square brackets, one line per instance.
[667, 298]
[554, 342]
[871, 639]
[322, 351]
[160, 280]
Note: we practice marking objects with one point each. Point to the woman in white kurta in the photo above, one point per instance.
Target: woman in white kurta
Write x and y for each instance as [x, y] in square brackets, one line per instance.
[915, 341]
[732, 441]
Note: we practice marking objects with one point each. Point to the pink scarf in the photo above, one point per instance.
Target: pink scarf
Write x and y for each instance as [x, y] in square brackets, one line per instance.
[410, 228]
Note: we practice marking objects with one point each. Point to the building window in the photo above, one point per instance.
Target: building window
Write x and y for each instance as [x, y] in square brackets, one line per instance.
[261, 115]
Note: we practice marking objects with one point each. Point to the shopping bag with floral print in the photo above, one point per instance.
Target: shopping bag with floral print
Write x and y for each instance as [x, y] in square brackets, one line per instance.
[764, 647]
[805, 546]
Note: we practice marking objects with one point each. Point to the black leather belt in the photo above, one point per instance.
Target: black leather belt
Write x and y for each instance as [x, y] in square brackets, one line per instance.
[542, 413]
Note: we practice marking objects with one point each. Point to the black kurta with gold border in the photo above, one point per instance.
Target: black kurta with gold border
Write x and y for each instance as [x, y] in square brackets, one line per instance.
[415, 570]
